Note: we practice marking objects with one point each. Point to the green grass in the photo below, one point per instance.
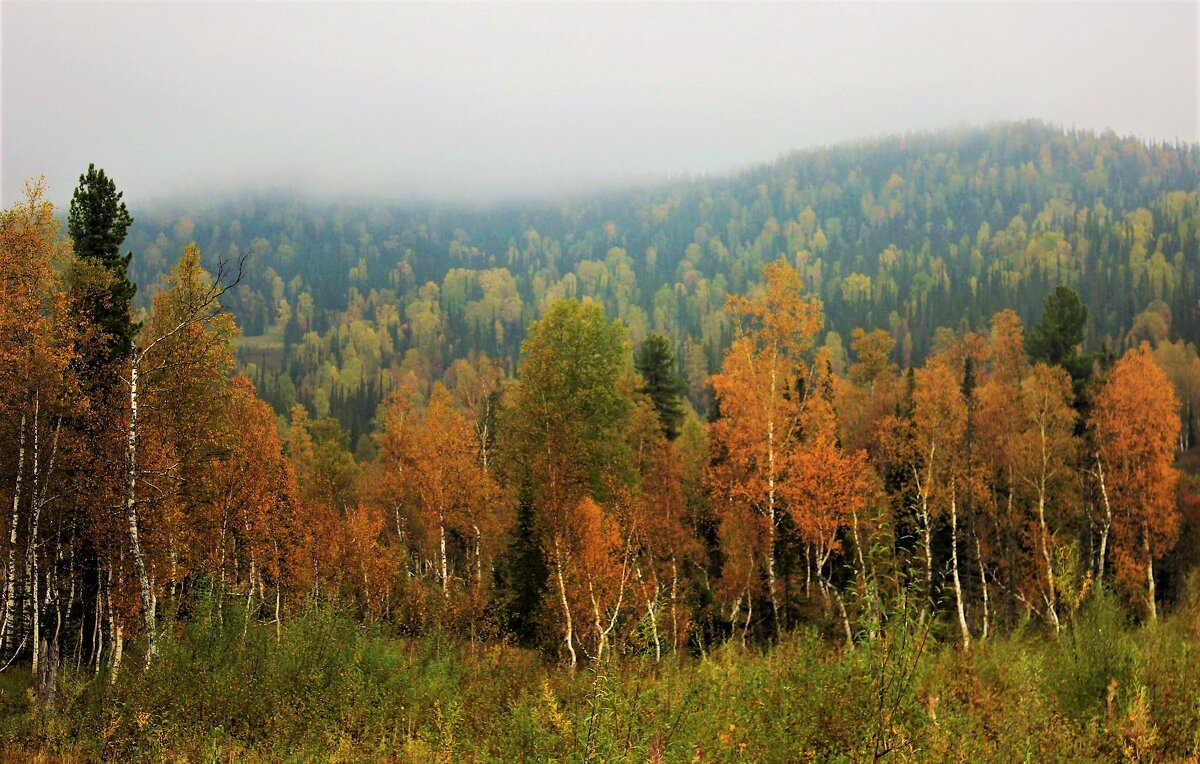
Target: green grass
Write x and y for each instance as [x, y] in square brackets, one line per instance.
[332, 689]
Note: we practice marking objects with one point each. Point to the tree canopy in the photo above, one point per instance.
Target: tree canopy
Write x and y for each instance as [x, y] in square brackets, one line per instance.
[656, 363]
[97, 224]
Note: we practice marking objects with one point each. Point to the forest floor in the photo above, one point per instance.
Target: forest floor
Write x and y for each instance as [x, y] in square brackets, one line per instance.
[330, 689]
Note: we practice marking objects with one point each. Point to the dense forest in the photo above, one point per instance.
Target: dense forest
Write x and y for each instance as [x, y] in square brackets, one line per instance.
[858, 430]
[907, 234]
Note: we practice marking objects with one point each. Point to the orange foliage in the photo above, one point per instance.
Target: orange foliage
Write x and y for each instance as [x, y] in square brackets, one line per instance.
[1135, 420]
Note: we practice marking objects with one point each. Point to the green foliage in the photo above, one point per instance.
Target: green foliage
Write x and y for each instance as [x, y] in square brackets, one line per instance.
[331, 473]
[569, 400]
[904, 235]
[656, 363]
[97, 223]
[1057, 336]
[521, 575]
[330, 688]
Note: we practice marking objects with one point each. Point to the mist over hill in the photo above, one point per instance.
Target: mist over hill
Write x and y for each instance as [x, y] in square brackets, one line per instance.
[341, 300]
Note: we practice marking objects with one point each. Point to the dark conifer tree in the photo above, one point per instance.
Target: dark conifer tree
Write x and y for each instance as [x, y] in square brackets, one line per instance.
[1056, 337]
[97, 223]
[521, 575]
[656, 363]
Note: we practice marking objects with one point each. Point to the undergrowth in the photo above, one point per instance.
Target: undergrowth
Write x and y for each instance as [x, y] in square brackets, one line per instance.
[332, 689]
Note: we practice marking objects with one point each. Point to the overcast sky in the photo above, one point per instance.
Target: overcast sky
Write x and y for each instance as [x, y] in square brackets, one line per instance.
[484, 101]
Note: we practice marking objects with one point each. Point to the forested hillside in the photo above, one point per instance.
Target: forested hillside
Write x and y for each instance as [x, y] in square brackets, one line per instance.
[342, 301]
[761, 467]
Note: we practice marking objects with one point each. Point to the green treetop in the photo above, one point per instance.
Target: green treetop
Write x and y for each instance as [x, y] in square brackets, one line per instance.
[97, 222]
[656, 363]
[568, 404]
[1056, 337]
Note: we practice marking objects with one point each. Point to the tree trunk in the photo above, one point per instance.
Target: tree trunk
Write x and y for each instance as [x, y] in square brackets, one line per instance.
[808, 568]
[845, 617]
[98, 624]
[562, 595]
[858, 553]
[958, 594]
[38, 500]
[652, 612]
[10, 569]
[749, 613]
[984, 582]
[118, 639]
[35, 612]
[442, 552]
[249, 598]
[600, 635]
[771, 513]
[1107, 524]
[674, 618]
[1150, 593]
[604, 631]
[278, 575]
[47, 676]
[31, 565]
[131, 516]
[478, 559]
[221, 552]
[927, 533]
[1052, 598]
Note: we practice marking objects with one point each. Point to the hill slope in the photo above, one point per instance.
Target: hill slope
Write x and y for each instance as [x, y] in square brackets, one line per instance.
[906, 234]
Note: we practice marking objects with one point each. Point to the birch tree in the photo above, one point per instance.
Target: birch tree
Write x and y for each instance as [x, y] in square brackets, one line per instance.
[940, 421]
[1135, 422]
[1045, 456]
[563, 434]
[179, 361]
[758, 390]
[38, 391]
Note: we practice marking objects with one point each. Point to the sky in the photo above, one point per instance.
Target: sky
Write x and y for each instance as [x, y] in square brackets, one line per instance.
[492, 101]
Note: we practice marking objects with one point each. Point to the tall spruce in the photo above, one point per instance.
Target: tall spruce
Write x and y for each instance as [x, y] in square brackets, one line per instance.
[98, 222]
[656, 363]
[1056, 337]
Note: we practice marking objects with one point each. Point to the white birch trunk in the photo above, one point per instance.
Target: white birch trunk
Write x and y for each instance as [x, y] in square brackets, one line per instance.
[604, 631]
[31, 567]
[38, 500]
[131, 516]
[958, 594]
[771, 509]
[1150, 592]
[118, 639]
[442, 552]
[98, 626]
[1106, 527]
[1052, 597]
[478, 559]
[652, 613]
[749, 614]
[10, 568]
[845, 617]
[674, 617]
[569, 635]
[926, 532]
[983, 580]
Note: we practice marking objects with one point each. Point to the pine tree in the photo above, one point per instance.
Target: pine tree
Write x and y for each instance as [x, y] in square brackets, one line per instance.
[98, 222]
[1056, 337]
[656, 363]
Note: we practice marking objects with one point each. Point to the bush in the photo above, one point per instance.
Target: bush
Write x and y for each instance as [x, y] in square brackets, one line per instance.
[332, 688]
